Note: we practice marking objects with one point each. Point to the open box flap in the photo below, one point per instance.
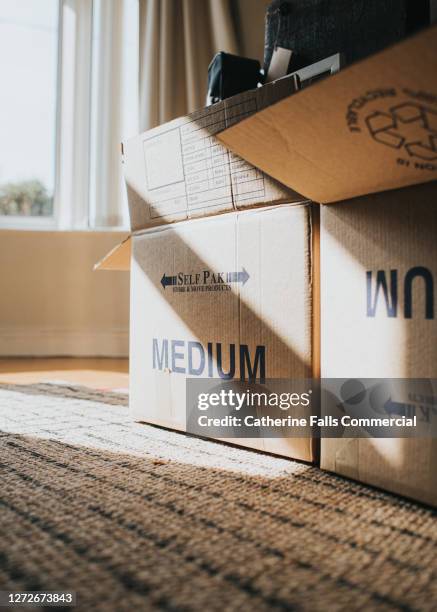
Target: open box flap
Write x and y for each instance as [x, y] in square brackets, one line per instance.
[370, 128]
[118, 258]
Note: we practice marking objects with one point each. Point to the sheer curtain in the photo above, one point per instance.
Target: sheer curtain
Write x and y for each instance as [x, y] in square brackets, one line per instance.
[114, 106]
[177, 40]
[150, 61]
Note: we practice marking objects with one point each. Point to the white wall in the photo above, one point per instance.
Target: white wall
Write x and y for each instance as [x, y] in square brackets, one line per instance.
[52, 303]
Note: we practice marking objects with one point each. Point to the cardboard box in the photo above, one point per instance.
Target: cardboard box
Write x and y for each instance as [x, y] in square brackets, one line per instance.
[247, 279]
[180, 297]
[369, 129]
[185, 298]
[180, 171]
[378, 273]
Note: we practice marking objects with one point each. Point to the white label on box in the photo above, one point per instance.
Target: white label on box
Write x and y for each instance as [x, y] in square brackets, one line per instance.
[187, 168]
[161, 168]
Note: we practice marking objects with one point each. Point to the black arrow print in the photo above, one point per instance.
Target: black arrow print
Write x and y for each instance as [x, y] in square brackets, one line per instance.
[398, 408]
[168, 280]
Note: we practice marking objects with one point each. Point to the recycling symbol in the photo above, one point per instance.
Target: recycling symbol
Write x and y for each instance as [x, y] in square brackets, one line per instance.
[408, 126]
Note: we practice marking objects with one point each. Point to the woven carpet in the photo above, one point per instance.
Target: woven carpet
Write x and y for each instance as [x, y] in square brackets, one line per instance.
[135, 517]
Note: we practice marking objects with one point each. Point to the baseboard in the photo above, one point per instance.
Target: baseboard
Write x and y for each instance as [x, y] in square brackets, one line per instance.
[63, 343]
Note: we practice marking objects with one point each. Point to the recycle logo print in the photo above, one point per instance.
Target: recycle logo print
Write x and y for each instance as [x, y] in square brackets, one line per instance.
[409, 126]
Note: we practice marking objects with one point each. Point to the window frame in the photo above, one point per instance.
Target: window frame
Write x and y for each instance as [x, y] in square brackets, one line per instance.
[71, 210]
[40, 222]
[72, 124]
[87, 188]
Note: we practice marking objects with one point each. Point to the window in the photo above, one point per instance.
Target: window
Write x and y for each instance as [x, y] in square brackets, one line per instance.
[71, 96]
[28, 106]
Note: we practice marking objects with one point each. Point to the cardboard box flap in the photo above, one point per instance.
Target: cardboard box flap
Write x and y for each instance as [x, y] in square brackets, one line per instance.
[370, 128]
[118, 258]
[178, 170]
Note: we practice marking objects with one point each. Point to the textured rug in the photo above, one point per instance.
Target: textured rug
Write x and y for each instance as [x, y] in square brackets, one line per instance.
[134, 517]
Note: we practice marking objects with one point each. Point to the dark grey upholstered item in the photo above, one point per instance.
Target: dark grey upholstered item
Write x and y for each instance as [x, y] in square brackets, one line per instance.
[315, 29]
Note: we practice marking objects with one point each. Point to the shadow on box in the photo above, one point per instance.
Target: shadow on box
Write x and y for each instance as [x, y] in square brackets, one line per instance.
[389, 237]
[292, 365]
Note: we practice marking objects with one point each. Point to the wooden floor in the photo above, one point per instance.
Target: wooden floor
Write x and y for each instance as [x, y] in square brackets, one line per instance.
[95, 373]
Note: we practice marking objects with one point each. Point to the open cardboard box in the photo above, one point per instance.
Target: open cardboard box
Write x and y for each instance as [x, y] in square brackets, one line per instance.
[365, 142]
[222, 261]
[179, 170]
[367, 130]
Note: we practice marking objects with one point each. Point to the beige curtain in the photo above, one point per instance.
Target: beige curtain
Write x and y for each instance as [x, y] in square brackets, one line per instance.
[178, 39]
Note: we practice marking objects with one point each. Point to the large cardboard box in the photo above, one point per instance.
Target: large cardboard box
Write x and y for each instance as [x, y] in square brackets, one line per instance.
[235, 294]
[370, 129]
[212, 268]
[241, 281]
[378, 273]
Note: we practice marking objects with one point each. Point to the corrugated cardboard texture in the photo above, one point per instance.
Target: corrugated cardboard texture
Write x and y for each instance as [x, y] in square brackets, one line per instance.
[394, 232]
[371, 127]
[273, 308]
[180, 171]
